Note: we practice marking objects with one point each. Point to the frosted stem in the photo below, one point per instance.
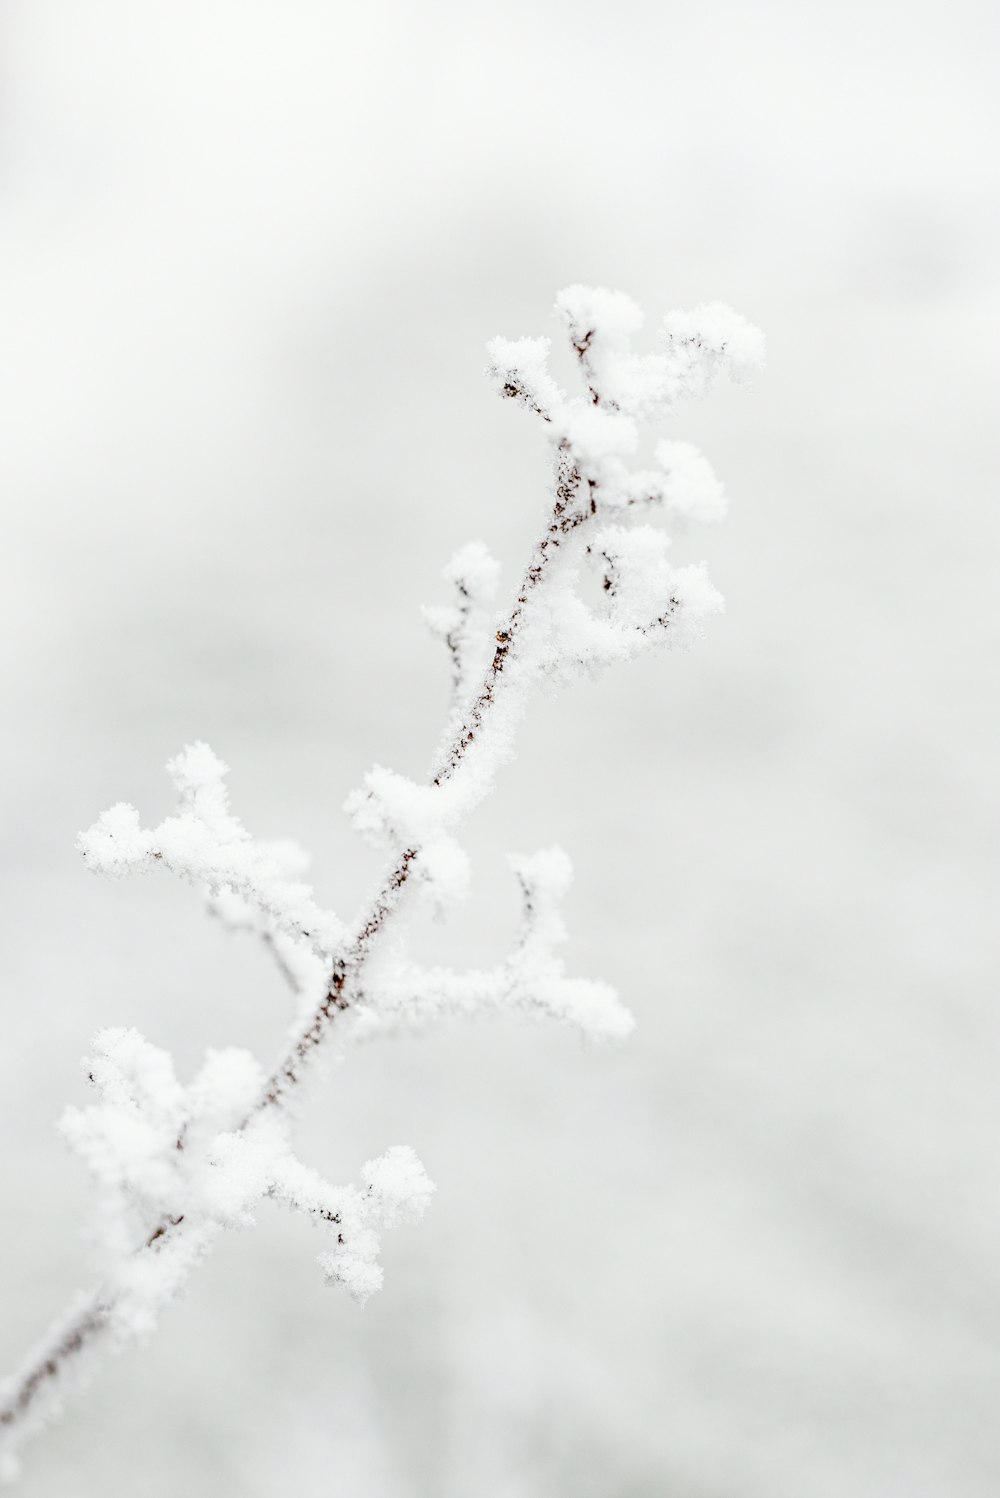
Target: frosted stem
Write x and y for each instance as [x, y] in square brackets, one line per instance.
[35, 1393]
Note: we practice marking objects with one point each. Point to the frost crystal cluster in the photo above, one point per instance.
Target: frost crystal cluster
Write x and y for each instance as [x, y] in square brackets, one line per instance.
[174, 1164]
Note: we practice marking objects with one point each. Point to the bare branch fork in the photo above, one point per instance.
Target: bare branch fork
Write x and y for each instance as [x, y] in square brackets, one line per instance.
[173, 1164]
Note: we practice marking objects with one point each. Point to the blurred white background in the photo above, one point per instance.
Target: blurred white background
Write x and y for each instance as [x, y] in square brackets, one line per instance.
[250, 255]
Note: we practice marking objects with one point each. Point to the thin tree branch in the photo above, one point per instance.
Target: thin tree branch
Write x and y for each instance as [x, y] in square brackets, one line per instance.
[591, 447]
[68, 1344]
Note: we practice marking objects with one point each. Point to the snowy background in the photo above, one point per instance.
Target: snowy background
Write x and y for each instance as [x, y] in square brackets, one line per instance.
[251, 253]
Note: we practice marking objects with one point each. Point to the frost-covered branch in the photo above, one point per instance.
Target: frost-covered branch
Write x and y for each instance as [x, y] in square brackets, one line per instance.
[174, 1165]
[400, 994]
[210, 848]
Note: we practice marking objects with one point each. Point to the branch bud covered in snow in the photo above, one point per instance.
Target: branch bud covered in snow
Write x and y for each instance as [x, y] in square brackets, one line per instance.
[518, 368]
[708, 341]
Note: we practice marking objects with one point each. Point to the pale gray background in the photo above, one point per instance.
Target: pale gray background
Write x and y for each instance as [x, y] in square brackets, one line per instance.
[251, 252]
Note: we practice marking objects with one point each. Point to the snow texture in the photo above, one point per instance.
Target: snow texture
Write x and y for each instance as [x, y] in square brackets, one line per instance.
[204, 1156]
[247, 882]
[696, 347]
[532, 980]
[518, 368]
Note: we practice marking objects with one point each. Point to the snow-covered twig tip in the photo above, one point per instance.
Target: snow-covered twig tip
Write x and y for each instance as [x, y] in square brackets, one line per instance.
[174, 1164]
